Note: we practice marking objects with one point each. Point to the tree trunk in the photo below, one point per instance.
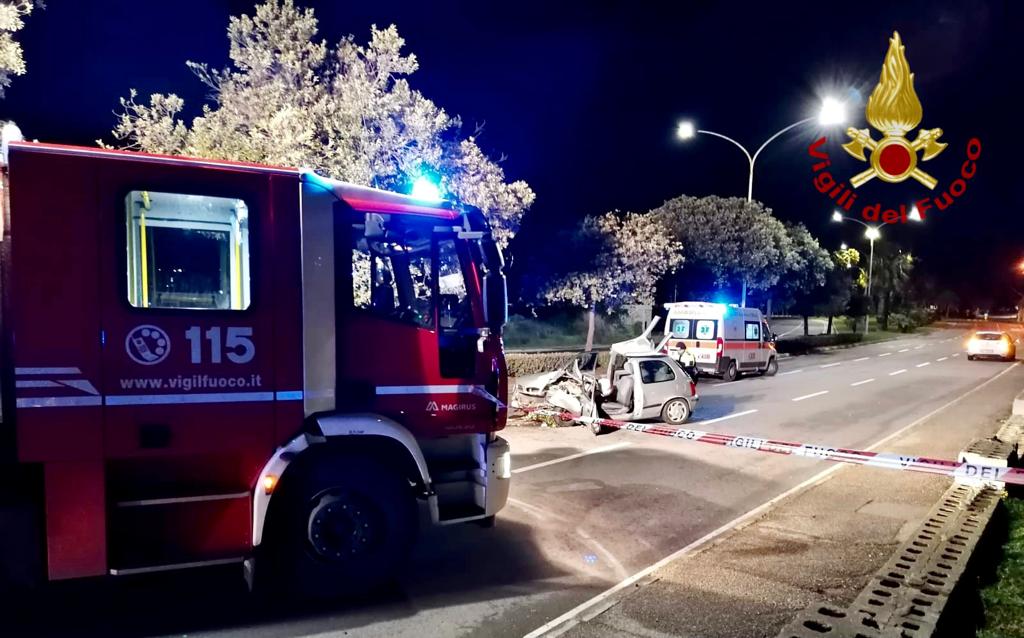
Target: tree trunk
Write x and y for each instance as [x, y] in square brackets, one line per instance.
[743, 295]
[806, 329]
[590, 328]
[828, 330]
[769, 306]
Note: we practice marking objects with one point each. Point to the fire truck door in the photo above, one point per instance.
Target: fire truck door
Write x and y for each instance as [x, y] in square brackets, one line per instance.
[188, 376]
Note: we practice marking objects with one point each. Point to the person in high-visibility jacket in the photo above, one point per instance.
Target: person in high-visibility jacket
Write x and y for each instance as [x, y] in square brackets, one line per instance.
[687, 360]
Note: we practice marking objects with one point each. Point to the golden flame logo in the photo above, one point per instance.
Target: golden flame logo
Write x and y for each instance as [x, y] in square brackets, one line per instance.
[894, 110]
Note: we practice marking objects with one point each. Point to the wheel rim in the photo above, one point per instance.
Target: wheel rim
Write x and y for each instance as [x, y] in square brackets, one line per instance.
[676, 411]
[342, 526]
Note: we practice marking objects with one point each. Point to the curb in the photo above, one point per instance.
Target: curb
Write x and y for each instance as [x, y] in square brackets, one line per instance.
[908, 596]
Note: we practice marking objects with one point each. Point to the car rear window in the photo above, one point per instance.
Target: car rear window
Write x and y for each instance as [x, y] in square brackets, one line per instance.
[989, 336]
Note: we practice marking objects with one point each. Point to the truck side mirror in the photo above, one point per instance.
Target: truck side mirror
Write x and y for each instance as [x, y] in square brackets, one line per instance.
[495, 301]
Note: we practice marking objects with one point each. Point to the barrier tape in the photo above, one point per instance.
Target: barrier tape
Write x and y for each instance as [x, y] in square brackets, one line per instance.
[953, 469]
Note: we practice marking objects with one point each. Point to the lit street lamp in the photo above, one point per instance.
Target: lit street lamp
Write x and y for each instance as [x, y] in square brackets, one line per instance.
[831, 112]
[872, 233]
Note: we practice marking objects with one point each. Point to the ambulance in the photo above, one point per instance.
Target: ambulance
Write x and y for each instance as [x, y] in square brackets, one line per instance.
[725, 340]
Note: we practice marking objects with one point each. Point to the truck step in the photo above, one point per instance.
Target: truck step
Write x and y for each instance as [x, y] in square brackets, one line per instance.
[150, 569]
[458, 512]
[144, 534]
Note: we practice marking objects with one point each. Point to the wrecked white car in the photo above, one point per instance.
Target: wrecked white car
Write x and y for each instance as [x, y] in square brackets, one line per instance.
[641, 382]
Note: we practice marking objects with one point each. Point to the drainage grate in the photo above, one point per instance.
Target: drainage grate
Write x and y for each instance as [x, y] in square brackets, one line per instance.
[907, 596]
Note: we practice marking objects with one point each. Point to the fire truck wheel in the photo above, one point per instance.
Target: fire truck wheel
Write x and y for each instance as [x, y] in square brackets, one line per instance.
[675, 412]
[731, 372]
[773, 367]
[346, 526]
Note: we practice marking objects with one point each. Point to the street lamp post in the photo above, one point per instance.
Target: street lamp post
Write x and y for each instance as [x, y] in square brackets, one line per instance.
[872, 233]
[832, 112]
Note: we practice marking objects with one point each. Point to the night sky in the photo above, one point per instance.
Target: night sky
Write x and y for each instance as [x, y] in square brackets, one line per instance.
[583, 98]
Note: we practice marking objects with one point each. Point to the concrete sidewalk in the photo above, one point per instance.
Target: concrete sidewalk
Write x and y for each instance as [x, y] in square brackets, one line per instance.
[820, 545]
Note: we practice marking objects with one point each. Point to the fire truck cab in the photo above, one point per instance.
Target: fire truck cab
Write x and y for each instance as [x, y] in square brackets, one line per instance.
[207, 362]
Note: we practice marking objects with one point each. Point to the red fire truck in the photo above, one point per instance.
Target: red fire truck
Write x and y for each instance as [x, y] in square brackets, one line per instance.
[207, 362]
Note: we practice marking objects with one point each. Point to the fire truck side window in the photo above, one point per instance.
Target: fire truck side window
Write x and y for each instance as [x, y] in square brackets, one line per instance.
[187, 251]
[454, 311]
[392, 275]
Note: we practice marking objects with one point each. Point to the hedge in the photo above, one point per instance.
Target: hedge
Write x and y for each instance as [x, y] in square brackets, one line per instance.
[803, 345]
[520, 363]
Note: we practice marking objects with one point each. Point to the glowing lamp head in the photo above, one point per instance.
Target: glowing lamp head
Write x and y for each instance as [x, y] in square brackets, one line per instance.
[269, 483]
[843, 246]
[832, 112]
[914, 215]
[872, 233]
[426, 190]
[686, 130]
[837, 216]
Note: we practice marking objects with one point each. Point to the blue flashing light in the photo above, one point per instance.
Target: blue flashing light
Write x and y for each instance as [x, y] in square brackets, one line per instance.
[426, 190]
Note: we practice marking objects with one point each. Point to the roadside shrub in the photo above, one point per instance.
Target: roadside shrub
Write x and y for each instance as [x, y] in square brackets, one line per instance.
[901, 322]
[922, 316]
[520, 363]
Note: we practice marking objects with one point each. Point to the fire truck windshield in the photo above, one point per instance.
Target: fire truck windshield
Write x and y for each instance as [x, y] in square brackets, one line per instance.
[412, 273]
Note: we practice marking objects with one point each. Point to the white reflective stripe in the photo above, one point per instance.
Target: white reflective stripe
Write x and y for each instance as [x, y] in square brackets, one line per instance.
[426, 389]
[80, 384]
[158, 399]
[289, 395]
[47, 371]
[57, 402]
[36, 383]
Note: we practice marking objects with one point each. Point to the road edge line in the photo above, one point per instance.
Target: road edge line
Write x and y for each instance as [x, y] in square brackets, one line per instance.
[737, 523]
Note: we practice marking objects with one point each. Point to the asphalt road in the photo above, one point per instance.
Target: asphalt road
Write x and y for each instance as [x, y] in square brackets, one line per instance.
[585, 513]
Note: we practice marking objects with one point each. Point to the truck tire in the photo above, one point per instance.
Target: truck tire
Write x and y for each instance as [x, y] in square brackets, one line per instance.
[772, 368]
[731, 372]
[344, 526]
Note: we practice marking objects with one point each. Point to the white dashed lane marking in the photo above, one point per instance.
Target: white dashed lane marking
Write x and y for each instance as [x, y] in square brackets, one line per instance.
[885, 354]
[830, 365]
[903, 350]
[942, 358]
[861, 359]
[791, 372]
[862, 382]
[900, 371]
[811, 395]
[921, 365]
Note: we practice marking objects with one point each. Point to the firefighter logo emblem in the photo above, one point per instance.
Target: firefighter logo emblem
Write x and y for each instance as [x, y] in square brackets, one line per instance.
[432, 406]
[147, 345]
[894, 110]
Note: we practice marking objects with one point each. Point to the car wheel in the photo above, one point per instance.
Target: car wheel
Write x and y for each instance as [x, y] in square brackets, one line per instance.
[344, 526]
[970, 357]
[675, 412]
[772, 368]
[731, 372]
